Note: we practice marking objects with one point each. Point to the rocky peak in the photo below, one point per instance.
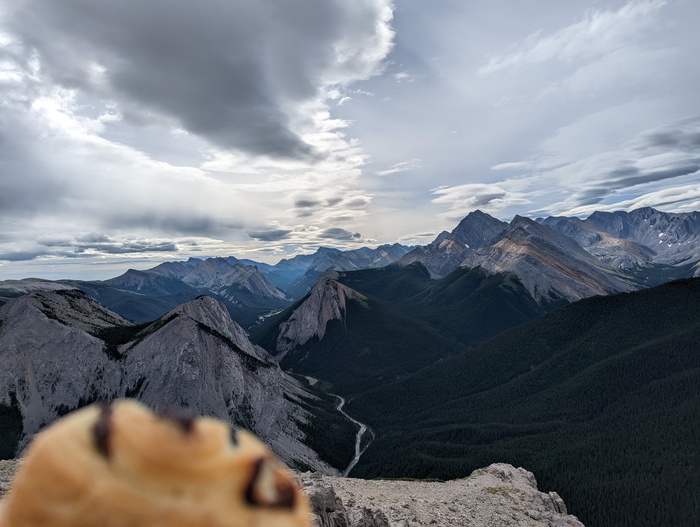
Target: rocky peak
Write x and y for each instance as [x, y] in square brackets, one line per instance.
[212, 314]
[218, 275]
[550, 265]
[674, 238]
[50, 358]
[325, 302]
[69, 307]
[478, 229]
[448, 251]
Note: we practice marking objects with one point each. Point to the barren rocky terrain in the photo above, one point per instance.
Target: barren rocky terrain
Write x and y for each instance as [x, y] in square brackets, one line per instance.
[497, 496]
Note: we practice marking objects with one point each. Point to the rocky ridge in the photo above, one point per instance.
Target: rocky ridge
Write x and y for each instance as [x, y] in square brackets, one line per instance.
[496, 496]
[549, 265]
[325, 302]
[59, 351]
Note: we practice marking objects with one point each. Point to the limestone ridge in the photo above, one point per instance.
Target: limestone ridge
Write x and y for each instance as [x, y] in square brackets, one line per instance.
[448, 251]
[14, 288]
[550, 265]
[50, 358]
[637, 238]
[325, 302]
[194, 357]
[222, 276]
[499, 495]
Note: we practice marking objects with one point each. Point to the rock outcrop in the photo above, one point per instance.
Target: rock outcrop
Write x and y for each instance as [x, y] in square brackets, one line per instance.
[496, 496]
[325, 302]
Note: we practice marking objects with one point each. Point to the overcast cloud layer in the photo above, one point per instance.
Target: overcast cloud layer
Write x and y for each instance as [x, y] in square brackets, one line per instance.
[135, 132]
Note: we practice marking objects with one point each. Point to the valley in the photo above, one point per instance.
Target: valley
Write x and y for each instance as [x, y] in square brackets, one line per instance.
[569, 347]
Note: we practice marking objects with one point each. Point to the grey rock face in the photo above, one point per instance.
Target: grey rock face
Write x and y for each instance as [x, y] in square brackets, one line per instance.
[636, 238]
[195, 357]
[324, 303]
[50, 359]
[496, 496]
[448, 251]
[548, 264]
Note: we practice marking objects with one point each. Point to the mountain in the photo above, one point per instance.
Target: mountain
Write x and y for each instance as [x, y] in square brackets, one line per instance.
[51, 360]
[448, 251]
[550, 265]
[350, 340]
[298, 274]
[14, 288]
[601, 399]
[359, 329]
[655, 246]
[142, 296]
[468, 305]
[62, 350]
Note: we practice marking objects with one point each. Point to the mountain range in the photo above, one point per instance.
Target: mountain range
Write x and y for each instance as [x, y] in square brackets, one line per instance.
[544, 342]
[61, 350]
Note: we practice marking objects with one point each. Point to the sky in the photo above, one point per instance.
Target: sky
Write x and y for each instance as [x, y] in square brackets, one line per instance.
[133, 132]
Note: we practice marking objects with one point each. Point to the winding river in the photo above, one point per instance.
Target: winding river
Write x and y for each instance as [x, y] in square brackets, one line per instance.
[358, 438]
[360, 432]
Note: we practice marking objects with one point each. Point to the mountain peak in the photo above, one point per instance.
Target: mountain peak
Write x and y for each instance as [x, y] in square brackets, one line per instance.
[325, 302]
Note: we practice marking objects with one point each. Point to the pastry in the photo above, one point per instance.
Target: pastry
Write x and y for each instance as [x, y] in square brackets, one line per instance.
[120, 465]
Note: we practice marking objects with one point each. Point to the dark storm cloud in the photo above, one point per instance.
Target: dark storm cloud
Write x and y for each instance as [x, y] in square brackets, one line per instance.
[172, 222]
[19, 256]
[336, 233]
[231, 72]
[307, 203]
[104, 244]
[681, 135]
[626, 177]
[271, 235]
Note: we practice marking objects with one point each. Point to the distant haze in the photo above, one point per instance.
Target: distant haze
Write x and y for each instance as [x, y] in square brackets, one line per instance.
[135, 132]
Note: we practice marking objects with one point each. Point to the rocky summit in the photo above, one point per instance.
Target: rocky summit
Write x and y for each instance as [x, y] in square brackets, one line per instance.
[496, 496]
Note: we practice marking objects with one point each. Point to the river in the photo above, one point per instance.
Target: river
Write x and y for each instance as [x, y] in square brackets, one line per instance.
[358, 438]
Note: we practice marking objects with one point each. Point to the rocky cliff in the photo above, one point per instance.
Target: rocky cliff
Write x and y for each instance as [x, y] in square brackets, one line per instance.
[325, 302]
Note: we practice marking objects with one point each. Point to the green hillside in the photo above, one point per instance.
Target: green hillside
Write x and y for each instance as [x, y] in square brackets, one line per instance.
[468, 305]
[372, 345]
[601, 400]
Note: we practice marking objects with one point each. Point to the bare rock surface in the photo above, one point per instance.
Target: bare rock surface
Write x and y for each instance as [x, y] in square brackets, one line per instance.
[497, 496]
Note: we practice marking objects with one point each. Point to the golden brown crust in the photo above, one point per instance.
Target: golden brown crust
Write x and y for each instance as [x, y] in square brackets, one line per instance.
[123, 466]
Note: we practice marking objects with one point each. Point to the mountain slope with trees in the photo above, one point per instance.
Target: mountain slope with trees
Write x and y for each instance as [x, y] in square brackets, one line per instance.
[601, 400]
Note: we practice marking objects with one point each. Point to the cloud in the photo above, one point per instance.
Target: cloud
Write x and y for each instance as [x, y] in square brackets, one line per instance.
[637, 170]
[462, 199]
[270, 235]
[236, 73]
[337, 233]
[601, 32]
[403, 166]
